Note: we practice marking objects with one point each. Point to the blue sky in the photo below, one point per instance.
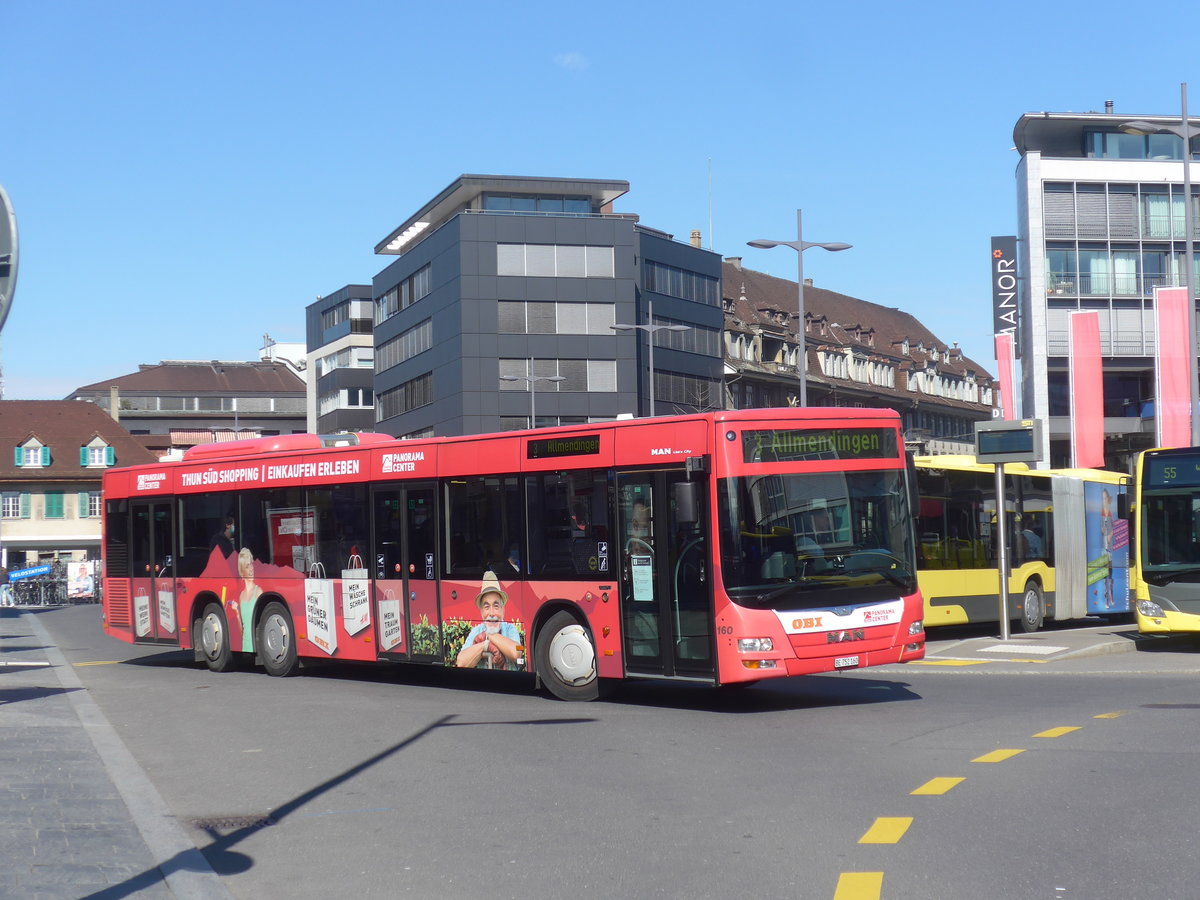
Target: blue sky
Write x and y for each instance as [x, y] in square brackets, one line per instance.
[188, 177]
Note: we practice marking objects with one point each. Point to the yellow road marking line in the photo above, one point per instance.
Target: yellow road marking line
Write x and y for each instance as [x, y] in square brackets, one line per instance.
[859, 886]
[886, 830]
[1112, 715]
[1057, 732]
[997, 756]
[936, 786]
[950, 662]
[101, 662]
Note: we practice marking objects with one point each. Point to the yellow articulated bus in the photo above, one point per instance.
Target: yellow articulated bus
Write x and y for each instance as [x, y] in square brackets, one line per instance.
[1068, 550]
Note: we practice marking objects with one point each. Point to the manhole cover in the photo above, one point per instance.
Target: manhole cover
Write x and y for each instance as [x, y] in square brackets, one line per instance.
[230, 823]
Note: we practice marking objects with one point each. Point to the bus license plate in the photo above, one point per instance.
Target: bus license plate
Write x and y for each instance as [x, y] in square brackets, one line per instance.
[843, 662]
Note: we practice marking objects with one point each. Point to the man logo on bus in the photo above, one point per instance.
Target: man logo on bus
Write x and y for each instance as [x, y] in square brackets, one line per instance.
[840, 637]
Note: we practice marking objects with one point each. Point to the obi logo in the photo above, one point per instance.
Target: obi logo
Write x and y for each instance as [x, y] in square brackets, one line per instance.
[840, 637]
[802, 624]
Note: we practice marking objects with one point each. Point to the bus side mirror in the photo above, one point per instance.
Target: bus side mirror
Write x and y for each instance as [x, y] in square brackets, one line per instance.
[687, 502]
[1123, 505]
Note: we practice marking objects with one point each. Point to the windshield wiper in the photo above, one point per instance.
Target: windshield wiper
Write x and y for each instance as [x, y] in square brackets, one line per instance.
[1163, 577]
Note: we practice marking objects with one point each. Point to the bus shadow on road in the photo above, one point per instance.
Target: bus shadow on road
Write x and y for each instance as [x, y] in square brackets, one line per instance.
[798, 693]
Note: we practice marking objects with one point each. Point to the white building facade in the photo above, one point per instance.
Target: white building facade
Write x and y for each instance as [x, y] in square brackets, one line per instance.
[1100, 225]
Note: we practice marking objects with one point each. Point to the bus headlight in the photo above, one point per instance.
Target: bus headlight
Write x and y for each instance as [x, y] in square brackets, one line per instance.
[755, 645]
[1150, 609]
[916, 627]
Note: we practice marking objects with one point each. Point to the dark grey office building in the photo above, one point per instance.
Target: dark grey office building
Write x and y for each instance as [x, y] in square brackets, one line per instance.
[341, 355]
[507, 284]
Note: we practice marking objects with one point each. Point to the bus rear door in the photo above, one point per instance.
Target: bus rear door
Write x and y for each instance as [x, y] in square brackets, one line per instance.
[667, 612]
[406, 598]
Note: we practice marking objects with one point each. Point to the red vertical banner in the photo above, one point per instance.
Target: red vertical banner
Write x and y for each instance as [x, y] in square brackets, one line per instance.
[1005, 362]
[1172, 417]
[1087, 391]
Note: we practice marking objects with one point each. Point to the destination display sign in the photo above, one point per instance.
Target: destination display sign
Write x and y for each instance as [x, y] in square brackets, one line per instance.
[574, 445]
[819, 443]
[1175, 470]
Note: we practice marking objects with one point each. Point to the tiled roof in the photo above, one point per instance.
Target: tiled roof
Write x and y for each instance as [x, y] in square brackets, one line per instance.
[839, 320]
[240, 378]
[64, 426]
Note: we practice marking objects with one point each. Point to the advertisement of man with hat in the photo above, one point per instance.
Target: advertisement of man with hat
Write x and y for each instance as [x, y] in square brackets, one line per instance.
[493, 643]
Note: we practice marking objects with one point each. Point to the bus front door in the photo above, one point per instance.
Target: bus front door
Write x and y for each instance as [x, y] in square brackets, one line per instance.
[667, 611]
[405, 570]
[152, 565]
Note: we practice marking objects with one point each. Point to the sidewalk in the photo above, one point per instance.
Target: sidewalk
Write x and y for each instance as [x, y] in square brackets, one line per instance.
[1065, 643]
[78, 817]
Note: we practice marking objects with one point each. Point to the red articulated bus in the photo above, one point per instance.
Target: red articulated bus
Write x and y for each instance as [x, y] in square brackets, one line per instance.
[722, 548]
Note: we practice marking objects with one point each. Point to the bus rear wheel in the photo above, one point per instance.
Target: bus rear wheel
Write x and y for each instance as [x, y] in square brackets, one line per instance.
[212, 635]
[1033, 609]
[566, 659]
[277, 641]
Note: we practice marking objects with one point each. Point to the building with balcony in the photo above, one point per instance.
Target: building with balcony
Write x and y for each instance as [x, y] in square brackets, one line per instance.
[1100, 219]
[341, 361]
[857, 353]
[502, 305]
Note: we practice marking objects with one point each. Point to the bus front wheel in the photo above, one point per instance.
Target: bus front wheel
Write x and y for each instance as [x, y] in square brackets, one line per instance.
[1033, 609]
[566, 659]
[277, 641]
[212, 631]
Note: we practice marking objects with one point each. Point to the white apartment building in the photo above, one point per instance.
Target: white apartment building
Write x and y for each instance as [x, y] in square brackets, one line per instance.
[1100, 224]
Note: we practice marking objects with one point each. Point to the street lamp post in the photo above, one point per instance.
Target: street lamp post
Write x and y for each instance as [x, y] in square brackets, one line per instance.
[799, 245]
[532, 381]
[650, 329]
[1185, 131]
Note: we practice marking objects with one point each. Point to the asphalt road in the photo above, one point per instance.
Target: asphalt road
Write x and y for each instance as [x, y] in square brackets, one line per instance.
[1062, 779]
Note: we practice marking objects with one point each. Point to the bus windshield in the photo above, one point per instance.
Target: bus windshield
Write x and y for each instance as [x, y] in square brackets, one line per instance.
[807, 541]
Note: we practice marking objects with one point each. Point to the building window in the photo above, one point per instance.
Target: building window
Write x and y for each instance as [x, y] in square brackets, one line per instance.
[681, 283]
[346, 358]
[546, 205]
[54, 505]
[90, 504]
[16, 505]
[689, 390]
[579, 375]
[554, 261]
[32, 456]
[97, 456]
[408, 396]
[516, 317]
[413, 288]
[404, 346]
[697, 338]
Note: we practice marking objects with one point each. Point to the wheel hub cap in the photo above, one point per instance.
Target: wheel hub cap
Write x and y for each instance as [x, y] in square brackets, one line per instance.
[571, 655]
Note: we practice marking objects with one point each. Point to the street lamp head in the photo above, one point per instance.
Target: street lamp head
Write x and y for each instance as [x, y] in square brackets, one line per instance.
[835, 246]
[761, 244]
[622, 327]
[512, 377]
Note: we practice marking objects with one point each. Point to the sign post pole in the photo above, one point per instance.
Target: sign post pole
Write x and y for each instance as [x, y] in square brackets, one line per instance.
[1000, 442]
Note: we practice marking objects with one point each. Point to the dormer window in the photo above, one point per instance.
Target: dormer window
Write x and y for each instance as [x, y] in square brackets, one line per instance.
[32, 455]
[96, 454]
